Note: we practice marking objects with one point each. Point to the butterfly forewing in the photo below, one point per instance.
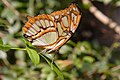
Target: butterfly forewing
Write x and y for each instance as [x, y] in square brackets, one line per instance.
[53, 30]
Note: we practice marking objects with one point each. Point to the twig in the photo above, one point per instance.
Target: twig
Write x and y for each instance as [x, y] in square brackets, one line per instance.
[101, 17]
[116, 68]
[16, 12]
[8, 5]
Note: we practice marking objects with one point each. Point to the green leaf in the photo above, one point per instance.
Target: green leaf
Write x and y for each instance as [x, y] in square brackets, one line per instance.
[71, 43]
[53, 66]
[116, 44]
[28, 43]
[89, 59]
[4, 47]
[33, 55]
[1, 42]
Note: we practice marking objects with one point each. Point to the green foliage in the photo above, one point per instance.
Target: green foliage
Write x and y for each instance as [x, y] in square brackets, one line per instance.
[4, 47]
[53, 66]
[1, 42]
[82, 60]
[33, 55]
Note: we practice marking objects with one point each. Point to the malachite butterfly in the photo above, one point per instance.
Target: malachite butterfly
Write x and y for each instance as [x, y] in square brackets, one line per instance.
[51, 31]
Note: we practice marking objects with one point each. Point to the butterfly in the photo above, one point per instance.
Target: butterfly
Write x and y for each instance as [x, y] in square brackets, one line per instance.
[51, 31]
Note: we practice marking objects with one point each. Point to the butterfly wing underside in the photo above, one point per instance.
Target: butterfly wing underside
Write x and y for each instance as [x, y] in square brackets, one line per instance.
[54, 30]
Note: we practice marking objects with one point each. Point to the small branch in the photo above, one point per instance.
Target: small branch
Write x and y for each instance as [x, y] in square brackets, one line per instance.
[31, 7]
[103, 18]
[8, 5]
[6, 62]
[17, 13]
[19, 48]
[116, 68]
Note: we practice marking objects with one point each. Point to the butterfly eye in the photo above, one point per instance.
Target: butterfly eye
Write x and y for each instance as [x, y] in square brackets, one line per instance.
[51, 31]
[25, 35]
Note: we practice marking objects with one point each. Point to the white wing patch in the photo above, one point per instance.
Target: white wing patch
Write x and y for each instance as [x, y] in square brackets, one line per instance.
[46, 39]
[60, 30]
[65, 21]
[43, 23]
[36, 27]
[47, 23]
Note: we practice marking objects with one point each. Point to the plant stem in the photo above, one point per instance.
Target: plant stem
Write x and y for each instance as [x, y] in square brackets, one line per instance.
[19, 48]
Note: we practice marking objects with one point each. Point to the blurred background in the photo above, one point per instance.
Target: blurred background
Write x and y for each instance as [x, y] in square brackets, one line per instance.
[92, 53]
